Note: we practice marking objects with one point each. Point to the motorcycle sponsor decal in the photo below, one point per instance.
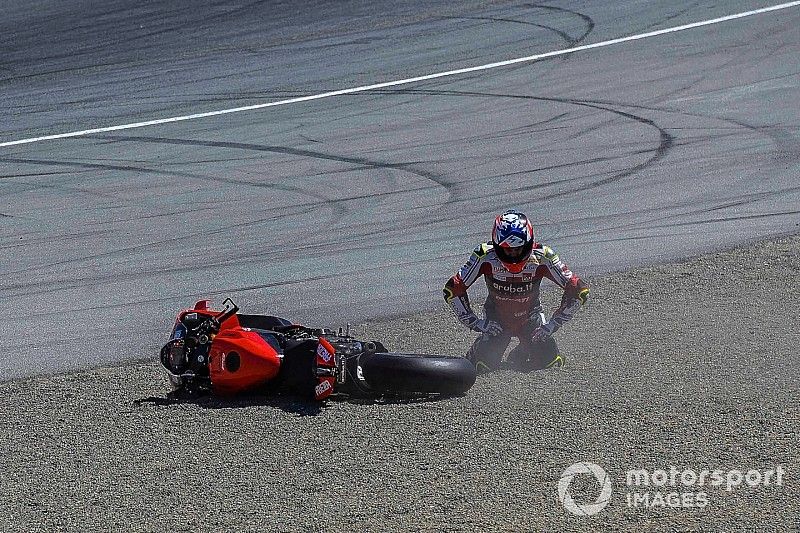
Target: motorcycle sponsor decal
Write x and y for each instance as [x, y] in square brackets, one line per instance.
[324, 388]
[323, 353]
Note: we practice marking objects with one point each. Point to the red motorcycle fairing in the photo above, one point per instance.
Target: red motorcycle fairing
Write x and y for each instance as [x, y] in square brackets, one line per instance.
[239, 359]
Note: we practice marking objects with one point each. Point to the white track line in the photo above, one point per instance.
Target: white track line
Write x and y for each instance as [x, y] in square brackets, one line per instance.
[404, 81]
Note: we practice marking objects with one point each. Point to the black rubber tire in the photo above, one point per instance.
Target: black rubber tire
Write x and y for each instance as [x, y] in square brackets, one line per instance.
[406, 373]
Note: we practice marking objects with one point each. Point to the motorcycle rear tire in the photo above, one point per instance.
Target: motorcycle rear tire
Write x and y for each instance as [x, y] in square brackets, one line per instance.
[405, 373]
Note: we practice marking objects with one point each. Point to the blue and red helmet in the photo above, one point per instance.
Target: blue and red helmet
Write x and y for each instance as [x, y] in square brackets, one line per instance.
[512, 237]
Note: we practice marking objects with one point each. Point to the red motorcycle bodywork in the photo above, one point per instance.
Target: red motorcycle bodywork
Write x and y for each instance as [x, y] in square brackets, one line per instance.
[239, 359]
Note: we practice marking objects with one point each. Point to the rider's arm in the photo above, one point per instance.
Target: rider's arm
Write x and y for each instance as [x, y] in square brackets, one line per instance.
[455, 290]
[576, 291]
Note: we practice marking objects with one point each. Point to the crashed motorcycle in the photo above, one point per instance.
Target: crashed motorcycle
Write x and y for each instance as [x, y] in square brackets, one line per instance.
[226, 352]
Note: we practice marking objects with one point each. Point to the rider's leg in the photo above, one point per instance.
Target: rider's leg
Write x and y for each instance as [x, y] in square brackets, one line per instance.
[544, 354]
[487, 351]
[535, 355]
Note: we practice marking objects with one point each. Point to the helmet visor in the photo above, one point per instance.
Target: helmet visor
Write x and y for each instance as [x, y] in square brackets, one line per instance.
[514, 252]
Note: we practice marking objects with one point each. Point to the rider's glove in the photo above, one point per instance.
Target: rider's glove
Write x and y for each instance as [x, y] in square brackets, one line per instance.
[544, 331]
[489, 327]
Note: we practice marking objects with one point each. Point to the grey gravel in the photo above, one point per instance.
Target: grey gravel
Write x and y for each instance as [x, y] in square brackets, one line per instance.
[693, 364]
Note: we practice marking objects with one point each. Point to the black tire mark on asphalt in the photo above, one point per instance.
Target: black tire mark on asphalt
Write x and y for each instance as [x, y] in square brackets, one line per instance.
[450, 188]
[182, 296]
[337, 208]
[564, 35]
[202, 234]
[627, 239]
[551, 167]
[77, 283]
[712, 72]
[501, 134]
[297, 251]
[785, 143]
[675, 15]
[149, 17]
[99, 232]
[587, 19]
[570, 41]
[666, 140]
[727, 203]
[61, 238]
[728, 219]
[56, 71]
[34, 174]
[67, 189]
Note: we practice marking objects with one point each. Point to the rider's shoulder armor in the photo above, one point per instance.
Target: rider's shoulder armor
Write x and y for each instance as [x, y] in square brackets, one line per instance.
[544, 252]
[483, 249]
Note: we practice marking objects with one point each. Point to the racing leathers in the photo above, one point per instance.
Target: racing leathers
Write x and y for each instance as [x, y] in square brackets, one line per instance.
[513, 307]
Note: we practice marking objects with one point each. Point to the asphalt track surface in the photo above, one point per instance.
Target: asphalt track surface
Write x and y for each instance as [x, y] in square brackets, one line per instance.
[360, 206]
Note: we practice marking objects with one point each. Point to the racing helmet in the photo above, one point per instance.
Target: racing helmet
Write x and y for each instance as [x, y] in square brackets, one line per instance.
[512, 237]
